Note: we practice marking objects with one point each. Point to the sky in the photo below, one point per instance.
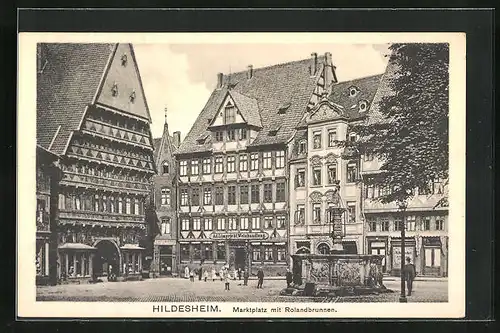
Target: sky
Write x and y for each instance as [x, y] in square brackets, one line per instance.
[181, 77]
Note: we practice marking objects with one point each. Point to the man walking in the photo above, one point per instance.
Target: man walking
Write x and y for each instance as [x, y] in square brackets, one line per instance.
[260, 276]
[409, 275]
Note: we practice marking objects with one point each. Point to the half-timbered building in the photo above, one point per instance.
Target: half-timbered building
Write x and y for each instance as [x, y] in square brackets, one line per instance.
[233, 176]
[92, 112]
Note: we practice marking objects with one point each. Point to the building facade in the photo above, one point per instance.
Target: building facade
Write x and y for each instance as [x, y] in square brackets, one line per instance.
[233, 167]
[92, 112]
[317, 167]
[165, 202]
[47, 179]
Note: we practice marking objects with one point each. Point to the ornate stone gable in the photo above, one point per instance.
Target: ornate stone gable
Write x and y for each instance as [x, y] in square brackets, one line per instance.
[324, 111]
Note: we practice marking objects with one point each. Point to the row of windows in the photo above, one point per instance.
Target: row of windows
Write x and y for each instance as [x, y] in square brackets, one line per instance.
[245, 161]
[331, 175]
[247, 194]
[423, 224]
[231, 135]
[233, 223]
[332, 139]
[101, 203]
[375, 191]
[273, 253]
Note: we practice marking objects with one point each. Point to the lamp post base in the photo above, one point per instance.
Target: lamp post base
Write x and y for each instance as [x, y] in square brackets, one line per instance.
[402, 299]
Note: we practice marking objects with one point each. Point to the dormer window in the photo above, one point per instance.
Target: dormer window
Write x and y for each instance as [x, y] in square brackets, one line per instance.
[273, 131]
[282, 109]
[353, 91]
[363, 105]
[124, 60]
[302, 147]
[132, 97]
[165, 168]
[219, 136]
[114, 90]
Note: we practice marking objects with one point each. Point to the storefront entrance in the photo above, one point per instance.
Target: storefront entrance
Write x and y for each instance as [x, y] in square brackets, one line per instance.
[239, 258]
[379, 248]
[107, 257]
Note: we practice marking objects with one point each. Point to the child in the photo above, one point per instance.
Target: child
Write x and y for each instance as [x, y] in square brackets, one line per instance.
[191, 276]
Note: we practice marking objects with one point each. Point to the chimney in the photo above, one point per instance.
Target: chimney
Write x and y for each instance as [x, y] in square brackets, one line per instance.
[219, 80]
[177, 138]
[328, 72]
[314, 63]
[249, 71]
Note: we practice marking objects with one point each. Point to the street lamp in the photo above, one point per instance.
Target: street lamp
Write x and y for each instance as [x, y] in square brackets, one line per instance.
[402, 205]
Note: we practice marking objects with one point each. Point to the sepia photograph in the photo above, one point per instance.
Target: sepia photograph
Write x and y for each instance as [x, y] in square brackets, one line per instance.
[273, 173]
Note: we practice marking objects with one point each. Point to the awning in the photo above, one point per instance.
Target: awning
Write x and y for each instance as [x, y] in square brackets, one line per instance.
[75, 246]
[131, 247]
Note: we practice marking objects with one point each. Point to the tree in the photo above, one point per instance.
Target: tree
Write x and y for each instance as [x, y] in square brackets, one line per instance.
[408, 131]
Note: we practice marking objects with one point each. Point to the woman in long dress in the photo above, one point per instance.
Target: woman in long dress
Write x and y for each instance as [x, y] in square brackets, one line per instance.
[214, 274]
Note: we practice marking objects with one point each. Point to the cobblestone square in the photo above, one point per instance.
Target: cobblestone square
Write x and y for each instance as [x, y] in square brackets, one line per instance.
[182, 290]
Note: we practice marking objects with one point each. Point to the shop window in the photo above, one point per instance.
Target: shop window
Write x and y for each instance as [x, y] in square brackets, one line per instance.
[268, 193]
[207, 166]
[268, 253]
[183, 169]
[243, 163]
[280, 159]
[184, 197]
[432, 257]
[255, 223]
[256, 254]
[219, 164]
[300, 178]
[244, 224]
[281, 253]
[254, 161]
[196, 251]
[316, 140]
[207, 224]
[268, 222]
[208, 252]
[165, 225]
[219, 195]
[207, 196]
[184, 252]
[231, 195]
[267, 160]
[244, 194]
[323, 248]
[281, 222]
[221, 251]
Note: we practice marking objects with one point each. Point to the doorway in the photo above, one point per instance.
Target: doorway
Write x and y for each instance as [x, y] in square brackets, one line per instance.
[379, 248]
[107, 259]
[239, 258]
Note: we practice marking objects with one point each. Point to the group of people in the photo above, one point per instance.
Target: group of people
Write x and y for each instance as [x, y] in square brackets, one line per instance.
[224, 274]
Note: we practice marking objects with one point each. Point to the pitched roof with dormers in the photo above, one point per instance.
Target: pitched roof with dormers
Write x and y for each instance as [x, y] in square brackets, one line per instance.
[248, 107]
[289, 84]
[70, 78]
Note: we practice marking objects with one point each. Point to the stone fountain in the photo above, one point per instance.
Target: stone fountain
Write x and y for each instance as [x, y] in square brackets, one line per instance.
[337, 273]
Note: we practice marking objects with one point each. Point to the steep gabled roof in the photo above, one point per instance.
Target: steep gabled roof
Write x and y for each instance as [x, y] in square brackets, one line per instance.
[66, 85]
[272, 87]
[366, 89]
[248, 107]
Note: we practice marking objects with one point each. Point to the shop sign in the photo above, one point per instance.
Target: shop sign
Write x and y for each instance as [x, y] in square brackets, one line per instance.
[238, 235]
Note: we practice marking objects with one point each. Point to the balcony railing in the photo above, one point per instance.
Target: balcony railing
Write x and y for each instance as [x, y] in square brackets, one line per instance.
[100, 216]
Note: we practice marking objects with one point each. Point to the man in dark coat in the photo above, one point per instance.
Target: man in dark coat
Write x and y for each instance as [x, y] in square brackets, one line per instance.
[289, 278]
[409, 275]
[246, 275]
[260, 276]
